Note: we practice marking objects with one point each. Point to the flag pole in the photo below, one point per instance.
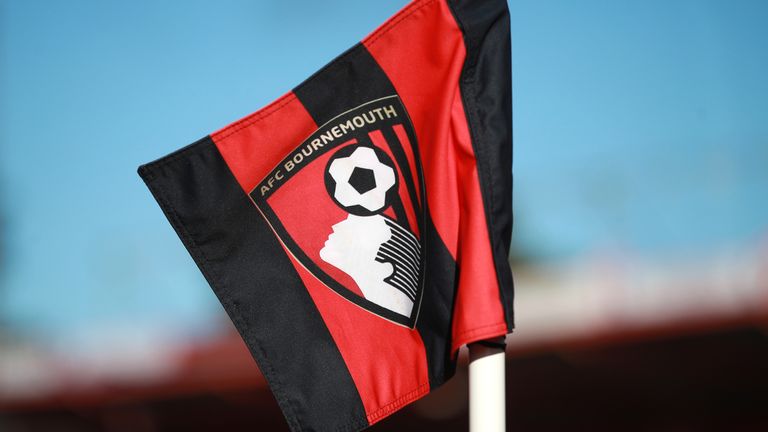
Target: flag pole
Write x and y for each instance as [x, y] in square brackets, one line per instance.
[487, 405]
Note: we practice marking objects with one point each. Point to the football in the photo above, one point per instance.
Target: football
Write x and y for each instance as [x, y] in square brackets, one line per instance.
[362, 180]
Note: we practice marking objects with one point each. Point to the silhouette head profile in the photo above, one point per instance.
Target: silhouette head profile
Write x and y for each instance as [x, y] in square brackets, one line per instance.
[381, 256]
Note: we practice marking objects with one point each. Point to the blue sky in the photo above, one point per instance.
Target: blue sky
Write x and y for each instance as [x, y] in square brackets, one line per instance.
[638, 125]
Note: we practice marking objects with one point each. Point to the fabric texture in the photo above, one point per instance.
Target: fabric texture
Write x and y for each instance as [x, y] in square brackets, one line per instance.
[357, 229]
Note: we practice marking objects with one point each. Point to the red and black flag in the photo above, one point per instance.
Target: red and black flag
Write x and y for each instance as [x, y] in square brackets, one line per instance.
[357, 229]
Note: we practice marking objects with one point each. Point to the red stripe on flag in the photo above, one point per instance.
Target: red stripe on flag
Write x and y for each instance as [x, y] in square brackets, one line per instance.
[426, 87]
[252, 147]
[478, 313]
[429, 89]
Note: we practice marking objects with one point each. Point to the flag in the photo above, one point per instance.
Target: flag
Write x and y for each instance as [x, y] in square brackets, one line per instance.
[357, 229]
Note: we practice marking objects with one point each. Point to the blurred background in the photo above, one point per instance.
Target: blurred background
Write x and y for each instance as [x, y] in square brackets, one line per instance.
[640, 249]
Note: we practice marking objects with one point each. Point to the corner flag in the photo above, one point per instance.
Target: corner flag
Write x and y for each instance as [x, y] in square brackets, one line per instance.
[357, 229]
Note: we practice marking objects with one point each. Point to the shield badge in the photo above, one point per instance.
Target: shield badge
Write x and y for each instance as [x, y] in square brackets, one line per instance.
[349, 204]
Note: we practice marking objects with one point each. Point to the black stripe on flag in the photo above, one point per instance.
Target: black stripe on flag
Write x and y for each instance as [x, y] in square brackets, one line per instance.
[255, 281]
[486, 91]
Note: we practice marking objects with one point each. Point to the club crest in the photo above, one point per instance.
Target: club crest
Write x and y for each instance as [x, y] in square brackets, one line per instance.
[348, 203]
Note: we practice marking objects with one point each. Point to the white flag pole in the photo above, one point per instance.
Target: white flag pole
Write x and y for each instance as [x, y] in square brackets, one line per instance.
[487, 404]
